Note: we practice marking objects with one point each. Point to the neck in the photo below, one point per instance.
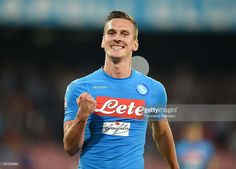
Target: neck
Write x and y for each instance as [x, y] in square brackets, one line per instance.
[118, 67]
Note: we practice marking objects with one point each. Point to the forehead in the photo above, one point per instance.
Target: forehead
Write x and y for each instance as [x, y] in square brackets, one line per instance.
[119, 24]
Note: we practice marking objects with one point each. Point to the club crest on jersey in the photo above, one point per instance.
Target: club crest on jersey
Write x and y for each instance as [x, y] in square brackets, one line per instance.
[119, 107]
[142, 89]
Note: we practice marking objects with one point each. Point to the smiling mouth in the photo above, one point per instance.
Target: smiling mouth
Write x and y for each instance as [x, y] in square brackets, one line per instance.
[116, 48]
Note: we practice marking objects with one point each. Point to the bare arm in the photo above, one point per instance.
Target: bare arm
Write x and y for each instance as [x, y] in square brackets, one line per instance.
[163, 138]
[74, 135]
[74, 129]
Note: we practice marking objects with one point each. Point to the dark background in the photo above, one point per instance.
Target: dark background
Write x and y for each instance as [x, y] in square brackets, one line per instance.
[37, 65]
[44, 45]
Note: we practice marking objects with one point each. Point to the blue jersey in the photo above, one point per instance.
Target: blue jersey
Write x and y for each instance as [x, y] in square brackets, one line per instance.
[194, 155]
[115, 132]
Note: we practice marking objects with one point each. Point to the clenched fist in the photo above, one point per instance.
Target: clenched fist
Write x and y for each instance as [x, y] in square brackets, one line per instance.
[86, 104]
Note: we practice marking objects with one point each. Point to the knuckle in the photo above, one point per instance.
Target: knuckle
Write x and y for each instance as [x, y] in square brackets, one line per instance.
[83, 94]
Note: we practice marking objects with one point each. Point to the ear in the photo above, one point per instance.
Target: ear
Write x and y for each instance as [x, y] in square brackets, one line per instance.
[135, 46]
[102, 43]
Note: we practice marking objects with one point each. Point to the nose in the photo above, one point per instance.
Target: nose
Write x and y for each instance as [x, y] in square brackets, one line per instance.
[117, 37]
[116, 40]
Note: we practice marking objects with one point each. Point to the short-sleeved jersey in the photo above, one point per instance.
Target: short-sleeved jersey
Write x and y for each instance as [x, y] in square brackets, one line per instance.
[194, 155]
[115, 132]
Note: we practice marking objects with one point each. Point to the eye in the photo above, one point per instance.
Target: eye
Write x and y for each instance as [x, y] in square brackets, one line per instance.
[125, 33]
[110, 32]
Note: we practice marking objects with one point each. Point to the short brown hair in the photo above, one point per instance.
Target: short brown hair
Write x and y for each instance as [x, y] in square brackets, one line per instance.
[122, 15]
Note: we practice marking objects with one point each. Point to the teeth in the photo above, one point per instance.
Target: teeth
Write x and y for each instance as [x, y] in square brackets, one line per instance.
[116, 47]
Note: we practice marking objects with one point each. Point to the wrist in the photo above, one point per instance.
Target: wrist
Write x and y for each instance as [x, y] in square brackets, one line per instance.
[81, 116]
[80, 121]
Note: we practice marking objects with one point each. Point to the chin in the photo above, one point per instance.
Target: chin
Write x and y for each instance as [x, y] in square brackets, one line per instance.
[115, 55]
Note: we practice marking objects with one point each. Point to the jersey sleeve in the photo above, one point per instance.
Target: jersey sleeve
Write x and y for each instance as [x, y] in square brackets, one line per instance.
[161, 96]
[73, 91]
[159, 101]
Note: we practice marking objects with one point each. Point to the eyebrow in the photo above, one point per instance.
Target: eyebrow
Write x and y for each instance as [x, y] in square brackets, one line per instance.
[122, 31]
[125, 31]
[111, 30]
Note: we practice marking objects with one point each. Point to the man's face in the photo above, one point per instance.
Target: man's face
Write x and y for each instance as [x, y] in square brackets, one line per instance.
[119, 38]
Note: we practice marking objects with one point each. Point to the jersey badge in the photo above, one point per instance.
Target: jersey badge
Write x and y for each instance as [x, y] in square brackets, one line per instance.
[142, 89]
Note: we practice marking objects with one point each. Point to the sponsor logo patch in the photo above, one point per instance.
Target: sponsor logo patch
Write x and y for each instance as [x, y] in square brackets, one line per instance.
[119, 107]
[116, 128]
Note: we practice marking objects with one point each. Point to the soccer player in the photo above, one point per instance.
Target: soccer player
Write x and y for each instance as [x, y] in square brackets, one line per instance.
[194, 151]
[104, 119]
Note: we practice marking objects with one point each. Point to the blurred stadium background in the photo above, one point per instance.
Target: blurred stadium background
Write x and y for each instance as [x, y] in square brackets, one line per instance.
[190, 46]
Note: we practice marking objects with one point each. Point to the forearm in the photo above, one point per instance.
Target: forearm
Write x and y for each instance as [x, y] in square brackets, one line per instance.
[163, 138]
[74, 136]
[165, 144]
